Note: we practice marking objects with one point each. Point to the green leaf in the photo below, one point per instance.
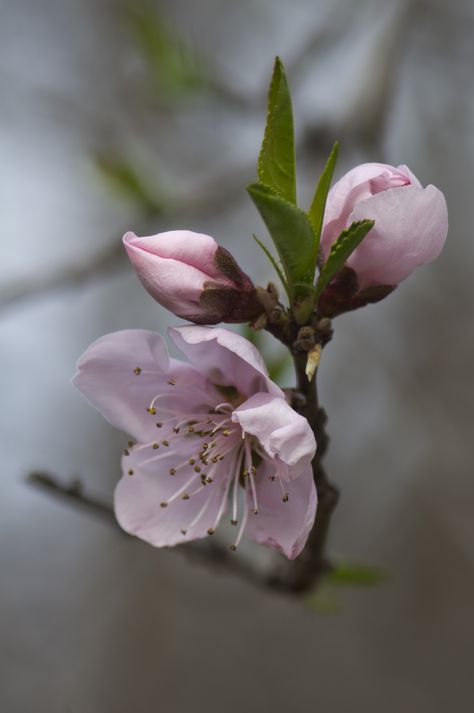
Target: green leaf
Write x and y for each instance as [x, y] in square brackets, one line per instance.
[342, 248]
[291, 231]
[304, 298]
[276, 162]
[273, 261]
[316, 211]
[347, 573]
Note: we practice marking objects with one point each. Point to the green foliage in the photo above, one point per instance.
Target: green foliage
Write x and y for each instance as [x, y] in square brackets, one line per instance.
[324, 599]
[276, 162]
[174, 67]
[346, 573]
[124, 180]
[275, 264]
[342, 248]
[316, 211]
[291, 231]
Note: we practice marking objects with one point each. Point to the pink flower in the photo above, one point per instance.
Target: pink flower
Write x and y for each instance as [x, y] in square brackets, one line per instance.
[411, 222]
[192, 276]
[207, 435]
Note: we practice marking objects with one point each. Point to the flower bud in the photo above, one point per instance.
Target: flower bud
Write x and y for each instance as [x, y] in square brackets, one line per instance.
[411, 224]
[192, 276]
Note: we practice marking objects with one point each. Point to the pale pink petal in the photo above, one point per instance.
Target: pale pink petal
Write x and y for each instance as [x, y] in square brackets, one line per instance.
[225, 358]
[138, 496]
[405, 171]
[120, 374]
[189, 248]
[176, 285]
[411, 225]
[283, 526]
[284, 434]
[356, 185]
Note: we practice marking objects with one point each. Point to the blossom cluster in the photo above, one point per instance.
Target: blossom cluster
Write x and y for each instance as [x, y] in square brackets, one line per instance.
[214, 437]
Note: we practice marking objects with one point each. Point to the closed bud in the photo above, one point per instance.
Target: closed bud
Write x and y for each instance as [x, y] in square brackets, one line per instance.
[411, 224]
[193, 277]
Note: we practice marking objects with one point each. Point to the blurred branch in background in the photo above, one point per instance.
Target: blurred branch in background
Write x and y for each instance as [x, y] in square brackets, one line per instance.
[178, 69]
[210, 552]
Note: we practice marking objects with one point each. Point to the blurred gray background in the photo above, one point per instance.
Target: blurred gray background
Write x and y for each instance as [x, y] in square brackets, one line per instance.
[149, 117]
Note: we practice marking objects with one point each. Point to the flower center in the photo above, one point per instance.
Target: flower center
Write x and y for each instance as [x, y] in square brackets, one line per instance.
[186, 418]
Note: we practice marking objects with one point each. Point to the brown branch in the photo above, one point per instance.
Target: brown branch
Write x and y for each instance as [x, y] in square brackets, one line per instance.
[206, 552]
[308, 568]
[305, 571]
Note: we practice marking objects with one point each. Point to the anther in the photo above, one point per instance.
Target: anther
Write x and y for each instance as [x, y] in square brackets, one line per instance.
[226, 432]
[209, 480]
[185, 496]
[126, 452]
[165, 443]
[172, 471]
[171, 382]
[137, 371]
[184, 532]
[131, 472]
[176, 429]
[255, 511]
[285, 498]
[151, 410]
[197, 469]
[131, 444]
[234, 522]
[155, 446]
[272, 478]
[191, 461]
[159, 424]
[211, 531]
[233, 548]
[163, 505]
[245, 473]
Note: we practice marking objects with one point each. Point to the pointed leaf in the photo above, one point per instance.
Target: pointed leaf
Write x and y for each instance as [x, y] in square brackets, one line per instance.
[273, 261]
[316, 211]
[276, 162]
[341, 250]
[291, 231]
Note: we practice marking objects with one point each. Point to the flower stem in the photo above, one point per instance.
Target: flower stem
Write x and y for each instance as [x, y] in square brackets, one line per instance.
[312, 563]
[304, 572]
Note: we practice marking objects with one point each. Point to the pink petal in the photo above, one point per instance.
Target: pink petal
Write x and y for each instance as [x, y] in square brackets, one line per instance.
[284, 434]
[411, 225]
[106, 376]
[138, 497]
[356, 185]
[283, 526]
[175, 284]
[193, 249]
[225, 358]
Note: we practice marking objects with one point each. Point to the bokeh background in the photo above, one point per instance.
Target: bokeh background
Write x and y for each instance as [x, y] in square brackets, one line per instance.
[148, 116]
